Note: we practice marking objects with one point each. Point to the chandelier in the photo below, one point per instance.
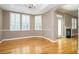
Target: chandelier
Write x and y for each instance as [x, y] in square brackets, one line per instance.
[31, 6]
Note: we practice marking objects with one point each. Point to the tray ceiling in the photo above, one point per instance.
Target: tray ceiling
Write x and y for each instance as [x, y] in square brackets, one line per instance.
[25, 8]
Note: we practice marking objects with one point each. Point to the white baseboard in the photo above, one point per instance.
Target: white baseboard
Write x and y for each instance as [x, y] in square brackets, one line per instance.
[29, 37]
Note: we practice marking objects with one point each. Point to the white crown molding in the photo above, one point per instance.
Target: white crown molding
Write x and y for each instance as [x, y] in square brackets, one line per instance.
[43, 8]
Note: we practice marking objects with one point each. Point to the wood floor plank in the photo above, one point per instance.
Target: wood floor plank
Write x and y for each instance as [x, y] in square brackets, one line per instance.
[39, 46]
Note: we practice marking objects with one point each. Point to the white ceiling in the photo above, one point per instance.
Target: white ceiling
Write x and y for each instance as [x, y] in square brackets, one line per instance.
[42, 8]
[70, 8]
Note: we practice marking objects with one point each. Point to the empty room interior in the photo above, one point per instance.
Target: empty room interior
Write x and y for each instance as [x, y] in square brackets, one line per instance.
[39, 28]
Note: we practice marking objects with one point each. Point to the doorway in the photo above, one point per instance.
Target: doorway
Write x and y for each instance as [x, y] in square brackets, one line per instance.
[60, 25]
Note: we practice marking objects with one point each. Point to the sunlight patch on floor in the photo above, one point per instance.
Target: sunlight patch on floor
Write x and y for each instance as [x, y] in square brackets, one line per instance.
[27, 50]
[21, 50]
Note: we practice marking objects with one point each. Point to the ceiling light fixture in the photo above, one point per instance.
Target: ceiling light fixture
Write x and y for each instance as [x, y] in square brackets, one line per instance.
[31, 6]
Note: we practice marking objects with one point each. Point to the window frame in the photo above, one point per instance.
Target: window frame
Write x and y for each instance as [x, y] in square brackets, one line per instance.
[74, 23]
[12, 29]
[39, 28]
[26, 24]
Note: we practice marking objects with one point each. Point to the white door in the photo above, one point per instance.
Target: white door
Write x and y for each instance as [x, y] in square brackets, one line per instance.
[59, 27]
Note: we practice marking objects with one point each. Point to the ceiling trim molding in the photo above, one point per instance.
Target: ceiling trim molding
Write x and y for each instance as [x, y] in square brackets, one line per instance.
[21, 8]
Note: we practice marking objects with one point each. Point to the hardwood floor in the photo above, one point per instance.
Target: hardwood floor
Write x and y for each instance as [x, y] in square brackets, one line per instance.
[39, 46]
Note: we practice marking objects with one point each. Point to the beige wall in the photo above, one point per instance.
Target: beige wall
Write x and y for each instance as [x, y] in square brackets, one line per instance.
[6, 21]
[67, 19]
[14, 34]
[68, 24]
[0, 24]
[50, 23]
[49, 29]
[47, 25]
[50, 26]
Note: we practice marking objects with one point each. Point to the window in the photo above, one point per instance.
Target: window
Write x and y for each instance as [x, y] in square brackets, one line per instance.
[38, 22]
[74, 23]
[25, 22]
[14, 21]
